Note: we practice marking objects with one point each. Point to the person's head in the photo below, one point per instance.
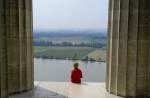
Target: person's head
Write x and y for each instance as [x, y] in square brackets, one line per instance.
[76, 65]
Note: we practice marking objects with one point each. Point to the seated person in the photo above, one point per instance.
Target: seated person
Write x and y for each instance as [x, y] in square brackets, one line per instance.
[76, 74]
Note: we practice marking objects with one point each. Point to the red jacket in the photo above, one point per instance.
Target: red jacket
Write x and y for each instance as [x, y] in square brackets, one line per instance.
[76, 75]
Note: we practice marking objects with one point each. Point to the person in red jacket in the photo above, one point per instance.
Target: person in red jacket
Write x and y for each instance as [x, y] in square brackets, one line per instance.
[76, 74]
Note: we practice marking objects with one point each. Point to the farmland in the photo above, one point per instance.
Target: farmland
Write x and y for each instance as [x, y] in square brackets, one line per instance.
[37, 49]
[74, 45]
[69, 53]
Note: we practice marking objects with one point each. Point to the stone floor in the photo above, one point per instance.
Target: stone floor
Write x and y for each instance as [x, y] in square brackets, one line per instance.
[66, 90]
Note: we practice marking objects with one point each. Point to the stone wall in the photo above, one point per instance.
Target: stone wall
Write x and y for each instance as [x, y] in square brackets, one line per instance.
[128, 48]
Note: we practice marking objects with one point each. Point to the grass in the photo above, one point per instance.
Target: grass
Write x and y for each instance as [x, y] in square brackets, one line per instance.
[63, 52]
[38, 49]
[41, 39]
[69, 53]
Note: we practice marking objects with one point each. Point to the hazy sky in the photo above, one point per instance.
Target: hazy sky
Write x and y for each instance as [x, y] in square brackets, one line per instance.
[70, 14]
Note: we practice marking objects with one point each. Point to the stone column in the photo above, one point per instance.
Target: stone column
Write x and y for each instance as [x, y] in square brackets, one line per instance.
[128, 67]
[19, 45]
[3, 60]
[147, 20]
[16, 63]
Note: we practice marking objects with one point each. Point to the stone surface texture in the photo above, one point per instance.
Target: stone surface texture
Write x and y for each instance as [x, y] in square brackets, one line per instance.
[45, 89]
[16, 64]
[3, 62]
[128, 62]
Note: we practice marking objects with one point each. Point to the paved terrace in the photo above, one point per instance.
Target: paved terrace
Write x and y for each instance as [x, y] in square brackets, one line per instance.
[66, 90]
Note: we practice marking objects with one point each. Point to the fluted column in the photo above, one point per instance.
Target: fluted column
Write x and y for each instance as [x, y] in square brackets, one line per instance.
[3, 61]
[128, 71]
[148, 31]
[19, 45]
[16, 63]
[29, 34]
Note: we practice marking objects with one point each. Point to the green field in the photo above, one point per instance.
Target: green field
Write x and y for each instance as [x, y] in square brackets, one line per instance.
[62, 52]
[38, 49]
[69, 53]
[91, 45]
[41, 39]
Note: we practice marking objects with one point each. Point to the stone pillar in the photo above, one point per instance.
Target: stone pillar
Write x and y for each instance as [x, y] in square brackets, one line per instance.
[147, 20]
[128, 67]
[3, 60]
[18, 17]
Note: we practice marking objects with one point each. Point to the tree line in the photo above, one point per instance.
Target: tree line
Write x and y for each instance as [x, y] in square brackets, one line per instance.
[69, 44]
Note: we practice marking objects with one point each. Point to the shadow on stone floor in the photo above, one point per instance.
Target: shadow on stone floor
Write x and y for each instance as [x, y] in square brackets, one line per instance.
[38, 92]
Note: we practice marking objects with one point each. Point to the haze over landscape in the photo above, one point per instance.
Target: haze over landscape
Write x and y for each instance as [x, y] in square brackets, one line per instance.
[68, 31]
[72, 29]
[70, 14]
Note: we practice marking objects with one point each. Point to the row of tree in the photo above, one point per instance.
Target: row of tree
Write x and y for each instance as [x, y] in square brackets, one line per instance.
[68, 44]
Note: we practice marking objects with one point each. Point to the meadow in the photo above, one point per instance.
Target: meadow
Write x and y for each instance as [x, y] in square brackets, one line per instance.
[85, 45]
[79, 53]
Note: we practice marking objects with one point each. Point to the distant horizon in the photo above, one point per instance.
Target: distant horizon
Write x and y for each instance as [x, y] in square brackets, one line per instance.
[70, 29]
[73, 30]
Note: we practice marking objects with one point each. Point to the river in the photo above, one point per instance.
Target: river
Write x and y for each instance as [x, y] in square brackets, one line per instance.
[59, 70]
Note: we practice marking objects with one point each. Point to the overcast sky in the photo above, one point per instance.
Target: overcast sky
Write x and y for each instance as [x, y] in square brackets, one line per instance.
[70, 14]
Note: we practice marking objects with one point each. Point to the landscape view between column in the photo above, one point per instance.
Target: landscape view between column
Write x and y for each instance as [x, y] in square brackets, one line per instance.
[68, 32]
